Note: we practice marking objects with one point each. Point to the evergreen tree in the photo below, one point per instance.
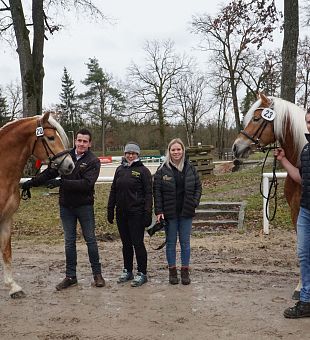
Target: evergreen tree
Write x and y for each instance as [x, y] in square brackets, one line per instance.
[3, 108]
[70, 117]
[102, 100]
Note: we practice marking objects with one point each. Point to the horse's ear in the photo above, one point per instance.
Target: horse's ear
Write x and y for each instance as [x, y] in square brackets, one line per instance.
[45, 117]
[264, 98]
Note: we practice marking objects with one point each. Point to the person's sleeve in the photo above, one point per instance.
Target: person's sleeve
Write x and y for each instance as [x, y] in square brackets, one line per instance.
[89, 176]
[147, 185]
[198, 187]
[112, 195]
[43, 177]
[157, 193]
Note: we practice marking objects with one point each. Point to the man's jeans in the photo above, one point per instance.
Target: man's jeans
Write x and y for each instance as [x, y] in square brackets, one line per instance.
[69, 217]
[303, 250]
[181, 226]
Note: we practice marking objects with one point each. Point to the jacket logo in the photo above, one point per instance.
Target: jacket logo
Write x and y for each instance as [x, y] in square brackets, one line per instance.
[135, 173]
[83, 165]
[167, 178]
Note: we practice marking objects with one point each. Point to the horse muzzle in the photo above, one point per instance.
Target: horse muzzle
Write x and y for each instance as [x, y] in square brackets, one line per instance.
[62, 162]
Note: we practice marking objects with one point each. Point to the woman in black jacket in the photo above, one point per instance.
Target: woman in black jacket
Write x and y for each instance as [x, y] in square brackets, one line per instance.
[131, 194]
[177, 191]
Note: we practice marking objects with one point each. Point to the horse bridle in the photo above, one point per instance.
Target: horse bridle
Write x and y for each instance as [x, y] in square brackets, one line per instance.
[52, 157]
[255, 138]
[274, 183]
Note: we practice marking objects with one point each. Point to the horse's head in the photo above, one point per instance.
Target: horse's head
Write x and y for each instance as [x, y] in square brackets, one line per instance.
[51, 144]
[259, 128]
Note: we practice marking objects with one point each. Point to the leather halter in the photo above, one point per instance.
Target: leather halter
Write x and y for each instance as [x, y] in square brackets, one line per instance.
[52, 157]
[255, 138]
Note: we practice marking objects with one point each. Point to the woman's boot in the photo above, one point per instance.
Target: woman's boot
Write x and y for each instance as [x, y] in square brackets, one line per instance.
[173, 276]
[185, 276]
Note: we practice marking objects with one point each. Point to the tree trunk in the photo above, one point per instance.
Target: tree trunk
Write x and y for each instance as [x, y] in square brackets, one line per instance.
[289, 50]
[31, 65]
[235, 104]
[161, 120]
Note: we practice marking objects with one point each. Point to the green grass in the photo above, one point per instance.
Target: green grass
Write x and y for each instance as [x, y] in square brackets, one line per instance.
[244, 186]
[39, 216]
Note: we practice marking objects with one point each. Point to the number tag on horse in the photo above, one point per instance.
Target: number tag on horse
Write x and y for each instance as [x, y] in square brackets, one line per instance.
[268, 114]
[39, 131]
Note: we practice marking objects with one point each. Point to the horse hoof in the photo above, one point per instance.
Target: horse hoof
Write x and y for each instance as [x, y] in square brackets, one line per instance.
[18, 295]
[296, 295]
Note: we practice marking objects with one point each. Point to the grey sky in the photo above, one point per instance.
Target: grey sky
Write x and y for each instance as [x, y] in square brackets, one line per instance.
[114, 44]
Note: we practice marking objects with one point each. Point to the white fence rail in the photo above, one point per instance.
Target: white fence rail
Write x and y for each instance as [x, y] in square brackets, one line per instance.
[266, 183]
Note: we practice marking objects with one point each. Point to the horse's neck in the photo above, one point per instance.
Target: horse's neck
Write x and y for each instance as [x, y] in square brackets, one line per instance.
[290, 148]
[16, 147]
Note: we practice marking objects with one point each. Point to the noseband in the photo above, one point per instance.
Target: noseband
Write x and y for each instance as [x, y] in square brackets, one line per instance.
[52, 157]
[255, 138]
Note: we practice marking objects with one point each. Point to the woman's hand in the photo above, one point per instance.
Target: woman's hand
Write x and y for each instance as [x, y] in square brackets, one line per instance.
[160, 217]
[279, 154]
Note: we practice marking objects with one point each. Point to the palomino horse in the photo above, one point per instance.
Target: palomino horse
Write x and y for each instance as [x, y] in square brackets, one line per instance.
[269, 120]
[42, 137]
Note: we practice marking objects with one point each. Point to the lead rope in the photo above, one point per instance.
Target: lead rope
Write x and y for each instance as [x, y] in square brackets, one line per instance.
[272, 192]
[26, 194]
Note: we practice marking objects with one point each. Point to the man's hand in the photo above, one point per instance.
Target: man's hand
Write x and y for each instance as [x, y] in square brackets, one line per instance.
[53, 183]
[27, 185]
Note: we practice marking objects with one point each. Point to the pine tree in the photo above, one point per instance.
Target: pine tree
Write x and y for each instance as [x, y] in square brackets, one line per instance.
[102, 100]
[70, 117]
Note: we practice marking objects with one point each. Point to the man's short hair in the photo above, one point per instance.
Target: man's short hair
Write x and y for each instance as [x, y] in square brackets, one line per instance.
[84, 131]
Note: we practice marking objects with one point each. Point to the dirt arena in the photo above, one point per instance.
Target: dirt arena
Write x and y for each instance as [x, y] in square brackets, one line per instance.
[241, 283]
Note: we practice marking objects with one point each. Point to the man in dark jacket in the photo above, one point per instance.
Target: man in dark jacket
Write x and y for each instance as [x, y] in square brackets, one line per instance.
[131, 194]
[76, 201]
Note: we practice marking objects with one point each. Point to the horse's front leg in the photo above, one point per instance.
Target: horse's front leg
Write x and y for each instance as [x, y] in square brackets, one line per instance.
[6, 249]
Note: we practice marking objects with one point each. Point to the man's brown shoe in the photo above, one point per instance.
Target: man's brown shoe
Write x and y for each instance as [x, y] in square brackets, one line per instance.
[67, 282]
[99, 280]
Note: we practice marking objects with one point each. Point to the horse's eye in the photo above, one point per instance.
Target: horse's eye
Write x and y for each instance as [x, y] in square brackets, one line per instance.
[256, 118]
[51, 138]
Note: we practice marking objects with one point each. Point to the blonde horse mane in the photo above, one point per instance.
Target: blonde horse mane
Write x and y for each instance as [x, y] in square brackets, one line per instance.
[62, 134]
[60, 130]
[284, 111]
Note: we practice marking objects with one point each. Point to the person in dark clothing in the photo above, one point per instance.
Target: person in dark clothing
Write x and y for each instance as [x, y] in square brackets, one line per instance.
[131, 194]
[177, 191]
[76, 202]
[302, 176]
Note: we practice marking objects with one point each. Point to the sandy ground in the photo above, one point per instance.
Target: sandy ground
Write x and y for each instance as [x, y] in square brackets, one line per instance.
[241, 283]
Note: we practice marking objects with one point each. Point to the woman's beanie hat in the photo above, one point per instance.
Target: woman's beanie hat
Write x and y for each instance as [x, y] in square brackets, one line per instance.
[132, 147]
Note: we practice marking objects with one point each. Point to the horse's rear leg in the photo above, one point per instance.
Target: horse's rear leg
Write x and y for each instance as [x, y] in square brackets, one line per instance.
[5, 245]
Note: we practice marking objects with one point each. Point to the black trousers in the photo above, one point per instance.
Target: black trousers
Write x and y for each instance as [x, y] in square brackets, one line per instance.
[131, 230]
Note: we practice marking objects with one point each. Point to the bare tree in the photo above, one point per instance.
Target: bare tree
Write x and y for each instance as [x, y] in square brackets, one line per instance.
[231, 34]
[303, 73]
[30, 31]
[190, 97]
[262, 72]
[289, 50]
[152, 85]
[14, 99]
